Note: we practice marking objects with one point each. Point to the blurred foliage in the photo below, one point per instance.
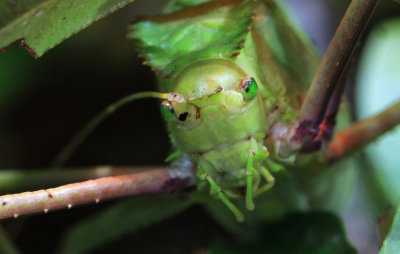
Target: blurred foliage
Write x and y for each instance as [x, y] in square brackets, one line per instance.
[301, 233]
[128, 216]
[378, 88]
[6, 245]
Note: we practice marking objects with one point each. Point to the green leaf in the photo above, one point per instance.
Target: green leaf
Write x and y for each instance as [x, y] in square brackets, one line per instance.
[214, 29]
[41, 25]
[125, 217]
[302, 233]
[391, 245]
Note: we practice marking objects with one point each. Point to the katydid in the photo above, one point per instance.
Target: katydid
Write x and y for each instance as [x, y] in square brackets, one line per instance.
[239, 115]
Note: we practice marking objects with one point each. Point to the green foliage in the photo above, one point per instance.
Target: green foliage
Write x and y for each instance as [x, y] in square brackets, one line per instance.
[378, 88]
[41, 25]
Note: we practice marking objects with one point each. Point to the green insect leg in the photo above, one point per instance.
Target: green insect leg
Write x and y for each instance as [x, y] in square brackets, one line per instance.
[215, 188]
[270, 181]
[249, 175]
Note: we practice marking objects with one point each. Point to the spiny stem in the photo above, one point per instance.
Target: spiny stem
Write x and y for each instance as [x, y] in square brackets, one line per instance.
[64, 155]
[361, 133]
[153, 181]
[21, 180]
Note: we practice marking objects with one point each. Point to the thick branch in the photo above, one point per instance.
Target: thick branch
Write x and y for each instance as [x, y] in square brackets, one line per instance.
[147, 182]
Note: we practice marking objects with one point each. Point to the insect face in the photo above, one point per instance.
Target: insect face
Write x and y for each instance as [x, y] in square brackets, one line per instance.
[216, 104]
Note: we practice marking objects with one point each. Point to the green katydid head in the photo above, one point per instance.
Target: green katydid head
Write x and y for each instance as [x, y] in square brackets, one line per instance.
[216, 83]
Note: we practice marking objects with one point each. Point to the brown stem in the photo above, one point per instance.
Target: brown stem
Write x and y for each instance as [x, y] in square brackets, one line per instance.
[361, 133]
[152, 181]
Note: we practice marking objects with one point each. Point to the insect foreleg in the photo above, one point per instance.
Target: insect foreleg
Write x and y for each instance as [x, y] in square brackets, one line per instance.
[326, 128]
[151, 181]
[218, 191]
[334, 61]
[269, 178]
[249, 177]
[333, 64]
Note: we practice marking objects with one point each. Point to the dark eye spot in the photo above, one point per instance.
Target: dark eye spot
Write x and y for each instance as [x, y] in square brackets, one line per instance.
[183, 116]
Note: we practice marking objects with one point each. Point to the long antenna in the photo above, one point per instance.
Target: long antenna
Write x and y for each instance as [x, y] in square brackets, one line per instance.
[71, 147]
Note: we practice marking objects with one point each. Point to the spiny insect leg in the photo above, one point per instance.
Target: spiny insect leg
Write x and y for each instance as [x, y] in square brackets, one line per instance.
[332, 67]
[152, 181]
[215, 188]
[334, 61]
[325, 129]
[13, 181]
[361, 133]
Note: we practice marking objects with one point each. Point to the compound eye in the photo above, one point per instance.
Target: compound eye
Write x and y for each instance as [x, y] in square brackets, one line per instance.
[249, 88]
[167, 111]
